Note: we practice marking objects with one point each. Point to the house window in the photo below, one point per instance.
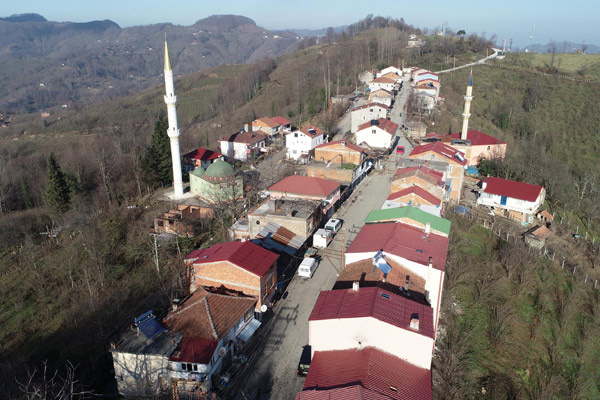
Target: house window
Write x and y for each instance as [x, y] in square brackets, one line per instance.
[374, 131]
[489, 147]
[296, 134]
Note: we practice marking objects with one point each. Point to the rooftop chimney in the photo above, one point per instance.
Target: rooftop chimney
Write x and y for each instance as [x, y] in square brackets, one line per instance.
[414, 321]
[430, 262]
[355, 286]
[427, 228]
[343, 143]
[176, 303]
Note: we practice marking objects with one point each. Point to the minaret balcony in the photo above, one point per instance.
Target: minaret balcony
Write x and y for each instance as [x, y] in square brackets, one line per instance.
[170, 99]
[468, 98]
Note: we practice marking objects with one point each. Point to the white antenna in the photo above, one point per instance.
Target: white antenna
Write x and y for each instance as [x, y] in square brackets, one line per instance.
[531, 37]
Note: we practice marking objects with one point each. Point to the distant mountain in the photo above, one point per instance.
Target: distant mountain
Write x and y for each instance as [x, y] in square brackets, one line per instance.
[562, 47]
[45, 64]
[315, 32]
[24, 18]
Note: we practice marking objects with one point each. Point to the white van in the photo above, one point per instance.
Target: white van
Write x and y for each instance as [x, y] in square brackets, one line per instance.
[307, 267]
[333, 225]
[322, 238]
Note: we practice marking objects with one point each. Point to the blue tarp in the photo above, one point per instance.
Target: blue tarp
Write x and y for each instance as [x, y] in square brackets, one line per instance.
[462, 210]
[472, 171]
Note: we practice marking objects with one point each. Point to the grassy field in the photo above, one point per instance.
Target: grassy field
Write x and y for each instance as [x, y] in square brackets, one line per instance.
[586, 65]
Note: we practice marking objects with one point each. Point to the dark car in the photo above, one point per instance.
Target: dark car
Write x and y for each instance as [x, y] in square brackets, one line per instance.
[304, 363]
[400, 150]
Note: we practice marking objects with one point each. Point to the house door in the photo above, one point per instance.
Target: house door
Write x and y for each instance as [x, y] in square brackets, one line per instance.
[503, 200]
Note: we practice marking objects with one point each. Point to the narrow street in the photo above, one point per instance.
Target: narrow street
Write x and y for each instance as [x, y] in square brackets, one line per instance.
[271, 372]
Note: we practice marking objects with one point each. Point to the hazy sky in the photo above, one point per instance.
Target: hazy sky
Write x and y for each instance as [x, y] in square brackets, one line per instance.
[573, 20]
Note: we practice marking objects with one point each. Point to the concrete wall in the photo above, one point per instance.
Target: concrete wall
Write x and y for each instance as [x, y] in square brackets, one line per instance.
[300, 226]
[346, 333]
[386, 100]
[140, 374]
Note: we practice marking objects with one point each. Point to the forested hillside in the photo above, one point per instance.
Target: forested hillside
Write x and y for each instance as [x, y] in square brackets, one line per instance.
[45, 64]
[515, 325]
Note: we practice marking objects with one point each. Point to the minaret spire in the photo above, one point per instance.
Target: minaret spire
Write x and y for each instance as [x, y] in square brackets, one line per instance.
[467, 113]
[173, 132]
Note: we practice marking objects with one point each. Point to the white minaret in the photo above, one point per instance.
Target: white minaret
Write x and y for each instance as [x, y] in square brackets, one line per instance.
[173, 132]
[467, 113]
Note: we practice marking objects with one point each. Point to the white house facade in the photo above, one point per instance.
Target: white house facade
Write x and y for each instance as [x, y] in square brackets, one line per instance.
[242, 145]
[367, 112]
[378, 134]
[302, 141]
[520, 201]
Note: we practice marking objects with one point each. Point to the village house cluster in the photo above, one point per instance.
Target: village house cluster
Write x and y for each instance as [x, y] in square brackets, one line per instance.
[372, 335]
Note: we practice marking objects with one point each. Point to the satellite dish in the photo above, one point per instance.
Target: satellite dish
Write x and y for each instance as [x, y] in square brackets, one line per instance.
[263, 308]
[222, 351]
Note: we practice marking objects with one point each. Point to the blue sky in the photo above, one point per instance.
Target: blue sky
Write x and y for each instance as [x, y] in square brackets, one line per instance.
[558, 20]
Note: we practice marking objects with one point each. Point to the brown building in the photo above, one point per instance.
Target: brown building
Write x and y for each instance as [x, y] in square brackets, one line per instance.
[296, 215]
[340, 152]
[241, 266]
[425, 178]
[456, 163]
[180, 221]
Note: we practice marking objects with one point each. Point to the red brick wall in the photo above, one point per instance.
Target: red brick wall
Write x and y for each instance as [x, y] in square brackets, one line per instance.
[235, 278]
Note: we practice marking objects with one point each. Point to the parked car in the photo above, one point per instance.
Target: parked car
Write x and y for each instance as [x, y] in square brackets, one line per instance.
[400, 150]
[304, 362]
[333, 225]
[307, 267]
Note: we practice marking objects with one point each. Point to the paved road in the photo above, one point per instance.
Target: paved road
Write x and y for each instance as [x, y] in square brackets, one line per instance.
[271, 373]
[482, 61]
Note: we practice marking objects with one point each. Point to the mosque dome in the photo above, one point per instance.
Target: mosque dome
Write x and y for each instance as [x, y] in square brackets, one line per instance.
[199, 172]
[219, 171]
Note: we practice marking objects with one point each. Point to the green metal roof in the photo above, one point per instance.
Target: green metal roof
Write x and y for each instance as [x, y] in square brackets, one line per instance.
[219, 169]
[198, 171]
[390, 214]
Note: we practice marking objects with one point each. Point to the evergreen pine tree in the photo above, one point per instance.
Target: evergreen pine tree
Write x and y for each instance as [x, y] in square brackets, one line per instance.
[156, 164]
[57, 194]
[25, 194]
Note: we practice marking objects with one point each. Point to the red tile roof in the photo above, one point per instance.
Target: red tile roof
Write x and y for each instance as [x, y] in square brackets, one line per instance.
[311, 131]
[418, 191]
[382, 90]
[245, 255]
[195, 350]
[383, 79]
[514, 189]
[369, 105]
[245, 137]
[373, 302]
[385, 124]
[442, 149]
[305, 185]
[208, 315]
[403, 241]
[347, 144]
[281, 120]
[371, 368]
[202, 154]
[477, 138]
[410, 171]
[265, 121]
[344, 393]
[428, 72]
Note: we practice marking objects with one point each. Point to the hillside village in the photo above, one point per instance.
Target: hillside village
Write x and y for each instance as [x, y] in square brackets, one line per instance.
[341, 265]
